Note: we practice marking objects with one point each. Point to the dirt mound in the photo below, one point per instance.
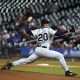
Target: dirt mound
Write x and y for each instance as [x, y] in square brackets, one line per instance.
[19, 75]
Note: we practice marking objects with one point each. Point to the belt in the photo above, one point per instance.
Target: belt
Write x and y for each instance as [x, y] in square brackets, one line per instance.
[43, 46]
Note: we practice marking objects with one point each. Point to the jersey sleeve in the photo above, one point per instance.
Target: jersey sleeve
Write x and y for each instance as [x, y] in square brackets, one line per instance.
[34, 32]
[52, 32]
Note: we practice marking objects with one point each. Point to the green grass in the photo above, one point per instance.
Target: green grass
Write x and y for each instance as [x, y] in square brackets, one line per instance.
[47, 69]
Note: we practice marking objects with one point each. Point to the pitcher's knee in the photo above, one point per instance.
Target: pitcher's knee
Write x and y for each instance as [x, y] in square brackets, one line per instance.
[60, 56]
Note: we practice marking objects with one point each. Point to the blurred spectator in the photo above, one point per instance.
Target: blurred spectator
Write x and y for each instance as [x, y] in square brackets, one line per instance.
[4, 37]
[50, 7]
[12, 43]
[28, 25]
[14, 38]
[76, 43]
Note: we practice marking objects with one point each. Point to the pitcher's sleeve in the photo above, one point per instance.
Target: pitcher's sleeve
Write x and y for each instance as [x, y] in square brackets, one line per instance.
[34, 32]
[52, 32]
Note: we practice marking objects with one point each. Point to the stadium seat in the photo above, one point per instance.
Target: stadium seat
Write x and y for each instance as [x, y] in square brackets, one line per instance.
[68, 9]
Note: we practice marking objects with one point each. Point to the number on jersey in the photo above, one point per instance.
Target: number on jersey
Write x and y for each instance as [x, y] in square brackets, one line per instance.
[43, 37]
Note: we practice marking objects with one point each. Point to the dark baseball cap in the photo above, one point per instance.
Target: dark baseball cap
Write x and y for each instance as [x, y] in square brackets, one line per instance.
[44, 21]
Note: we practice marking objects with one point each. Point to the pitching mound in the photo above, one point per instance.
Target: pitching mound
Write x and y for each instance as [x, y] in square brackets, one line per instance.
[17, 75]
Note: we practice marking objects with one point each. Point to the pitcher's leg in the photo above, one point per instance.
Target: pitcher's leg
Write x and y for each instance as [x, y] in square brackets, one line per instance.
[25, 60]
[61, 59]
[57, 55]
[62, 62]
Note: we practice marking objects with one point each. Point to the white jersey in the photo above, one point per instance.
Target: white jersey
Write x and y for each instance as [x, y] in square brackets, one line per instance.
[44, 36]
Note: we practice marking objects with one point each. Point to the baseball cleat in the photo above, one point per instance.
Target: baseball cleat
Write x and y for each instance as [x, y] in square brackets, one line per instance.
[6, 66]
[70, 73]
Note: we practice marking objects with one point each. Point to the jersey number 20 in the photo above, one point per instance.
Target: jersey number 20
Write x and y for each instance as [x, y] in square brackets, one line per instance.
[43, 37]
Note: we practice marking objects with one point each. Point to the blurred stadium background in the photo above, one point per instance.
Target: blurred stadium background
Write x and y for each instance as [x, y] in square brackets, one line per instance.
[14, 25]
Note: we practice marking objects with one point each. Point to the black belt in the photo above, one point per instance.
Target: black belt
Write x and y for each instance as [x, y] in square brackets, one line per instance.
[43, 46]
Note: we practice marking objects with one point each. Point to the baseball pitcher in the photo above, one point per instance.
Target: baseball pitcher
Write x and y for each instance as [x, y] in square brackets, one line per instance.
[42, 50]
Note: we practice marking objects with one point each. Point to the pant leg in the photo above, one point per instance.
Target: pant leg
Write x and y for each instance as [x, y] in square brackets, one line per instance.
[53, 54]
[25, 60]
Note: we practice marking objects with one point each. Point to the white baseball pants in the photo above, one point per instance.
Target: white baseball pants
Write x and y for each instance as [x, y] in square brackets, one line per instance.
[43, 52]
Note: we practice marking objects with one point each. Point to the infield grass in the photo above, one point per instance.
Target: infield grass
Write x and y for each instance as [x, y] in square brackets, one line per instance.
[55, 69]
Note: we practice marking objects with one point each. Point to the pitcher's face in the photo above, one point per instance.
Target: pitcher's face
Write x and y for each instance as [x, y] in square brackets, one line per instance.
[46, 25]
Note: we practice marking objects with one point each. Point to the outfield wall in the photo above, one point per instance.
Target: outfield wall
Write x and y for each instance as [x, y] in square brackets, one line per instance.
[69, 52]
